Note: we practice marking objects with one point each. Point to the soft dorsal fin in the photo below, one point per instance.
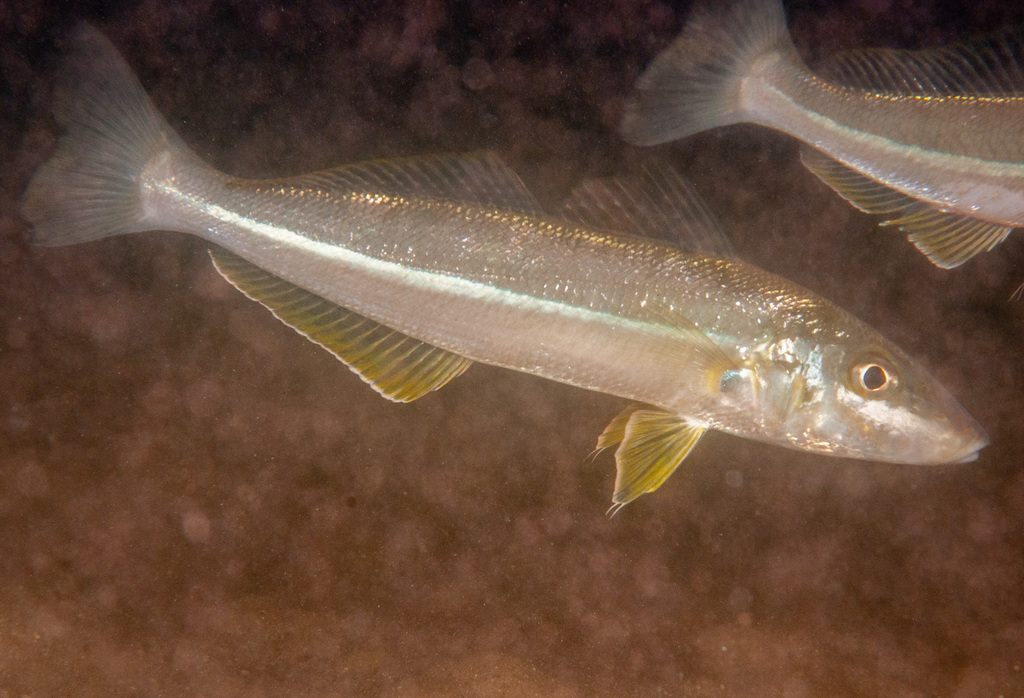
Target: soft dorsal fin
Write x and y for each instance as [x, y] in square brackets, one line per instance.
[947, 239]
[658, 203]
[990, 67]
[397, 366]
[652, 444]
[480, 178]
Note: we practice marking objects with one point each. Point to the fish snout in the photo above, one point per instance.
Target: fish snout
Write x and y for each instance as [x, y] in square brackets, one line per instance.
[954, 436]
[966, 438]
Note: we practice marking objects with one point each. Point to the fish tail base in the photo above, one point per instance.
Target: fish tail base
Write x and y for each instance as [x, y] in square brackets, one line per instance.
[90, 187]
[696, 83]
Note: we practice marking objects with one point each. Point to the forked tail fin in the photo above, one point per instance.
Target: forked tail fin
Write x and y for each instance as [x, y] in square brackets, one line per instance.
[695, 83]
[89, 188]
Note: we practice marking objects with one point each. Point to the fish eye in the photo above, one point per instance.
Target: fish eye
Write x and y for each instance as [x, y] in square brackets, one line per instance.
[873, 377]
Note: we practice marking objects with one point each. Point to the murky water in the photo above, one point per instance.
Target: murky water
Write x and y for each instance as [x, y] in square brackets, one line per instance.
[196, 500]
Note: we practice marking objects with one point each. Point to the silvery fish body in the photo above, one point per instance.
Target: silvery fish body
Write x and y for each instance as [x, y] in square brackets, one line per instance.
[410, 270]
[932, 139]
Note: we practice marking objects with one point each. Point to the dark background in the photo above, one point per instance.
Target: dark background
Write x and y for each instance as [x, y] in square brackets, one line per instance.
[194, 500]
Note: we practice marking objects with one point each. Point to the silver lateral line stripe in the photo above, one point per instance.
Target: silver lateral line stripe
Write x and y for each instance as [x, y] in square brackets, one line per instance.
[958, 163]
[416, 277]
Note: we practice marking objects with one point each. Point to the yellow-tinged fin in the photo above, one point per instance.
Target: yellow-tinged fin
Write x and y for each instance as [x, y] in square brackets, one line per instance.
[397, 366]
[615, 432]
[652, 444]
[947, 239]
[863, 192]
[657, 203]
[480, 177]
[990, 67]
[695, 83]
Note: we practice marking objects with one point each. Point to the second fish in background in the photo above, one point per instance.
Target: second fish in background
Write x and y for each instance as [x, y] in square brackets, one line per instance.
[932, 139]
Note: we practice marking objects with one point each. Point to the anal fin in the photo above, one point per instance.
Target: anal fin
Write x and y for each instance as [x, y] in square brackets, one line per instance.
[397, 366]
[652, 444]
[947, 239]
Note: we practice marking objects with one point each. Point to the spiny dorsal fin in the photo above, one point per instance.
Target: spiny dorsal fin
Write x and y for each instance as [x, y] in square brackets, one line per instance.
[397, 366]
[480, 178]
[659, 203]
[989, 67]
[653, 444]
[947, 239]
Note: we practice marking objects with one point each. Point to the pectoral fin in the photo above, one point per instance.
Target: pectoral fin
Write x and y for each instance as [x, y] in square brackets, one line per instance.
[947, 239]
[397, 366]
[652, 444]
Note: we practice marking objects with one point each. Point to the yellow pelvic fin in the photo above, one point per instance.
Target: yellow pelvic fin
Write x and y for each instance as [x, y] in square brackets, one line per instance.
[397, 366]
[947, 239]
[653, 444]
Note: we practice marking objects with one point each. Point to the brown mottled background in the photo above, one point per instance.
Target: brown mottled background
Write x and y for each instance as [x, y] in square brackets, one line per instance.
[196, 501]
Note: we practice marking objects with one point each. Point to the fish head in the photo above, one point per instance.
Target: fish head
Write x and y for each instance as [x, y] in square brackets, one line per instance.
[856, 395]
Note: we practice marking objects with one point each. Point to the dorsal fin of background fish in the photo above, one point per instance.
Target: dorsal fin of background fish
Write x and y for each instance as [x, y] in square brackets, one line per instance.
[695, 84]
[985, 67]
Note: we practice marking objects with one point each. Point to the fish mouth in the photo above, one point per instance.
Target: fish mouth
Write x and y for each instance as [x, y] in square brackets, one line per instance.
[978, 441]
[966, 437]
[970, 458]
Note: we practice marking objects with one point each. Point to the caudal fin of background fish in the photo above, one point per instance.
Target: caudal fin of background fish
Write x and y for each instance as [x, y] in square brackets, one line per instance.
[89, 188]
[695, 84]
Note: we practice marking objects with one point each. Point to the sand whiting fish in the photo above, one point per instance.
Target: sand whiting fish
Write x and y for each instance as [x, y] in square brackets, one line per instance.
[932, 139]
[409, 270]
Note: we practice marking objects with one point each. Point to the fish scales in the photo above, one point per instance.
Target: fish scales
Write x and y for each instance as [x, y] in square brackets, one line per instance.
[410, 270]
[516, 291]
[964, 153]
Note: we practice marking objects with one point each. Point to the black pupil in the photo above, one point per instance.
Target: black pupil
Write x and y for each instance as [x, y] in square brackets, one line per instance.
[873, 377]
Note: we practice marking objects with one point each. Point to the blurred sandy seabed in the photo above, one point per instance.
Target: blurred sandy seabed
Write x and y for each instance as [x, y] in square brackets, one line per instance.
[197, 501]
